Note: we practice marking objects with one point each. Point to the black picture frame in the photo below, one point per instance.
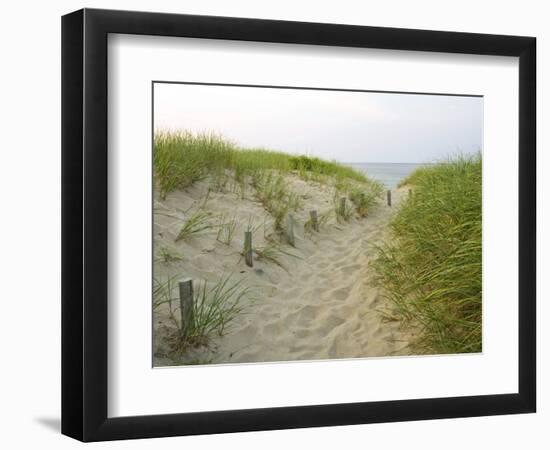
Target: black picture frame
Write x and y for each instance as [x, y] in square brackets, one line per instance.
[84, 224]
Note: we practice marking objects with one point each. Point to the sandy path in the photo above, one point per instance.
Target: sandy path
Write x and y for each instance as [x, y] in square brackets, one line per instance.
[324, 305]
[327, 307]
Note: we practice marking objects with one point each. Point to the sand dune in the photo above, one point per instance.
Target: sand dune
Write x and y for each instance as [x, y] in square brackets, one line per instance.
[321, 304]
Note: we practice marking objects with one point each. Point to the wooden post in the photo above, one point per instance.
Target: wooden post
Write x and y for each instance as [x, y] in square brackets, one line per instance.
[389, 197]
[410, 193]
[290, 230]
[314, 220]
[186, 305]
[248, 248]
[343, 206]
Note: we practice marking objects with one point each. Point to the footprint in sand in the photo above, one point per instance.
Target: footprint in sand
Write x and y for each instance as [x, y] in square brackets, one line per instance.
[340, 294]
[338, 348]
[304, 316]
[342, 248]
[351, 268]
[305, 333]
[306, 276]
[329, 323]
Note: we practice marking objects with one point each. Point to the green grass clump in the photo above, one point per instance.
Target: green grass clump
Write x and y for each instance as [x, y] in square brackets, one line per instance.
[226, 229]
[365, 198]
[431, 269]
[162, 294]
[273, 252]
[342, 209]
[167, 256]
[215, 306]
[317, 166]
[196, 223]
[247, 162]
[181, 158]
[419, 174]
[364, 195]
[275, 196]
[322, 220]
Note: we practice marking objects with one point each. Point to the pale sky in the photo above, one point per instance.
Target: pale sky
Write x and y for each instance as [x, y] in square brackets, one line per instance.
[344, 126]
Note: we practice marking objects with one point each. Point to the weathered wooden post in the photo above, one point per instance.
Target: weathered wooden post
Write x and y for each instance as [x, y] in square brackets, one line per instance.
[343, 206]
[186, 305]
[290, 230]
[248, 248]
[314, 220]
[389, 197]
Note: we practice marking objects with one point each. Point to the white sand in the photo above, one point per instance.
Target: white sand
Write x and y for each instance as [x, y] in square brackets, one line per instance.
[324, 305]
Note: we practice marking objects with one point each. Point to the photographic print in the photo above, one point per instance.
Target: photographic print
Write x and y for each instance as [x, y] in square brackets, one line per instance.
[313, 213]
[295, 224]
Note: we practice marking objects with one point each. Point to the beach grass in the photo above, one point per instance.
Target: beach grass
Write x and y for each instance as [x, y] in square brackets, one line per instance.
[321, 167]
[274, 252]
[226, 229]
[182, 158]
[197, 222]
[431, 267]
[167, 255]
[274, 194]
[365, 199]
[322, 220]
[342, 208]
[215, 306]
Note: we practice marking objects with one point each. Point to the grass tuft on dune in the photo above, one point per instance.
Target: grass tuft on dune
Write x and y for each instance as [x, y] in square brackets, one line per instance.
[431, 268]
[182, 158]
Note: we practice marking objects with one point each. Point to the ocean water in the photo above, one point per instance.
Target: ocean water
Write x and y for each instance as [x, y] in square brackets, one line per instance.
[390, 174]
